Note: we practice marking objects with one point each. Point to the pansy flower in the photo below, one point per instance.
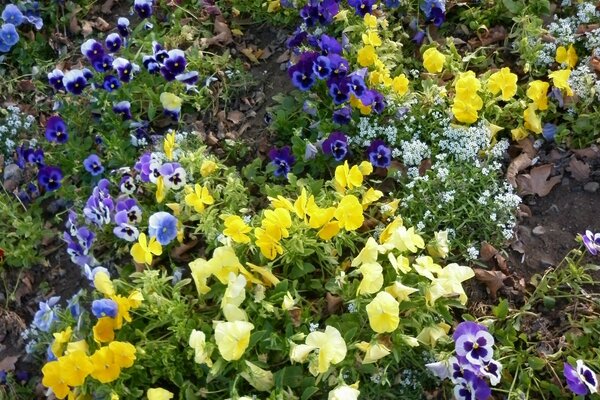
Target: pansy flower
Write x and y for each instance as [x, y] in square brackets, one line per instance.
[103, 64]
[322, 67]
[92, 49]
[189, 79]
[123, 26]
[113, 42]
[171, 104]
[362, 7]
[9, 35]
[44, 317]
[379, 154]
[93, 165]
[126, 232]
[471, 387]
[301, 73]
[175, 62]
[435, 11]
[163, 226]
[338, 90]
[124, 68]
[339, 66]
[329, 45]
[55, 79]
[336, 145]
[127, 184]
[12, 15]
[128, 212]
[36, 157]
[56, 130]
[123, 108]
[143, 8]
[580, 379]
[151, 65]
[473, 342]
[75, 81]
[50, 178]
[111, 83]
[342, 116]
[282, 159]
[174, 175]
[591, 242]
[104, 308]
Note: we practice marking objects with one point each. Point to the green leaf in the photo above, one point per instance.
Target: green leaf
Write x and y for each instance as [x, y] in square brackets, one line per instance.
[513, 6]
[501, 310]
[300, 271]
[309, 392]
[536, 363]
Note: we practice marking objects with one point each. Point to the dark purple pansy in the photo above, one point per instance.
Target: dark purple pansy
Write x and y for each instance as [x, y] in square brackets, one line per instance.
[362, 7]
[75, 81]
[36, 157]
[124, 68]
[471, 387]
[329, 45]
[434, 10]
[282, 159]
[113, 42]
[128, 212]
[379, 154]
[322, 67]
[592, 242]
[175, 62]
[111, 83]
[549, 131]
[93, 165]
[188, 78]
[123, 108]
[339, 66]
[342, 116]
[56, 130]
[127, 184]
[338, 90]
[301, 73]
[167, 74]
[356, 85]
[126, 232]
[55, 79]
[475, 344]
[103, 64]
[50, 178]
[159, 52]
[150, 63]
[297, 38]
[92, 49]
[174, 175]
[123, 26]
[419, 37]
[336, 145]
[143, 8]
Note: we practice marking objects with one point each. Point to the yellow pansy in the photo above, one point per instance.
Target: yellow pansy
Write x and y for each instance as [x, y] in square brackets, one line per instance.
[466, 110]
[143, 250]
[400, 85]
[519, 133]
[503, 81]
[103, 284]
[170, 102]
[357, 103]
[274, 6]
[302, 204]
[198, 198]
[344, 392]
[223, 262]
[60, 339]
[320, 216]
[467, 85]
[104, 330]
[75, 367]
[279, 219]
[373, 352]
[197, 342]
[371, 38]
[53, 378]
[399, 263]
[370, 21]
[386, 234]
[370, 196]
[288, 302]
[560, 79]
[124, 353]
[105, 368]
[281, 202]
[372, 278]
[538, 92]
[431, 334]
[80, 345]
[267, 240]
[159, 394]
[438, 246]
[425, 266]
[267, 277]
[449, 283]
[384, 313]
[236, 229]
[566, 56]
[169, 145]
[399, 291]
[349, 213]
[433, 60]
[366, 56]
[347, 178]
[161, 191]
[533, 122]
[404, 240]
[330, 344]
[233, 338]
[208, 167]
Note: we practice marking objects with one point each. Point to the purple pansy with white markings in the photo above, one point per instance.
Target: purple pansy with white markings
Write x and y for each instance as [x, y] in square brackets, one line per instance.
[474, 342]
[591, 241]
[580, 378]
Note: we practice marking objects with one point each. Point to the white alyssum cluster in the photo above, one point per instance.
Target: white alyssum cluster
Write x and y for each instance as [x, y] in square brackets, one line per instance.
[563, 30]
[414, 151]
[582, 81]
[11, 125]
[465, 143]
[545, 55]
[586, 12]
[369, 131]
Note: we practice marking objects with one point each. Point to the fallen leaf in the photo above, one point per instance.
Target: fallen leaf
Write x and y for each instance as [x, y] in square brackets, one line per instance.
[521, 162]
[222, 36]
[284, 57]
[250, 55]
[537, 182]
[74, 27]
[591, 152]
[101, 25]
[107, 6]
[493, 280]
[424, 167]
[518, 246]
[487, 251]
[8, 363]
[579, 170]
[87, 28]
[235, 117]
[334, 303]
[525, 211]
[177, 253]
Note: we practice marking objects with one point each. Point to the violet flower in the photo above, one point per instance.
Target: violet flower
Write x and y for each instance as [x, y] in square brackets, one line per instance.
[111, 83]
[92, 49]
[55, 79]
[103, 64]
[113, 42]
[379, 154]
[127, 185]
[336, 145]
[123, 26]
[174, 175]
[143, 8]
[362, 7]
[343, 116]
[473, 342]
[105, 308]
[50, 178]
[163, 226]
[329, 45]
[75, 81]
[123, 108]
[126, 232]
[44, 317]
[282, 159]
[12, 15]
[128, 212]
[175, 62]
[591, 241]
[93, 165]
[124, 68]
[580, 379]
[471, 387]
[56, 130]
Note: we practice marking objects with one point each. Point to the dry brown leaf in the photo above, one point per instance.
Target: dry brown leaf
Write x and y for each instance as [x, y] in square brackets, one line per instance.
[101, 24]
[424, 167]
[178, 252]
[517, 165]
[487, 251]
[87, 28]
[250, 55]
[235, 117]
[107, 6]
[525, 211]
[493, 280]
[527, 146]
[223, 35]
[296, 315]
[579, 170]
[591, 152]
[284, 57]
[334, 303]
[537, 182]
[8, 363]
[74, 27]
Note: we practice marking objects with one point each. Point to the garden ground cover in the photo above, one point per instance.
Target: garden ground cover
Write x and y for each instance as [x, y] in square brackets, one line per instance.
[327, 256]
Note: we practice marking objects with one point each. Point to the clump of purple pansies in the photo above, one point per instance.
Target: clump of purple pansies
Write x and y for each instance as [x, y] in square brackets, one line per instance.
[473, 365]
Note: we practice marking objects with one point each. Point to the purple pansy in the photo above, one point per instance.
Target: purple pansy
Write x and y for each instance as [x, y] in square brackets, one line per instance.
[336, 145]
[123, 108]
[343, 116]
[379, 154]
[471, 387]
[329, 45]
[282, 159]
[124, 68]
[123, 26]
[128, 212]
[580, 379]
[56, 130]
[103, 63]
[174, 175]
[75, 81]
[12, 15]
[93, 165]
[55, 79]
[113, 42]
[322, 67]
[143, 8]
[163, 226]
[435, 11]
[50, 178]
[473, 342]
[111, 83]
[9, 35]
[591, 241]
[362, 7]
[339, 66]
[127, 185]
[44, 317]
[126, 232]
[92, 49]
[301, 73]
[175, 62]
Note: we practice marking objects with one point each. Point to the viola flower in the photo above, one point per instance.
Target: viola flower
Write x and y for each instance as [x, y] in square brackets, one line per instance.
[343, 116]
[143, 250]
[123, 26]
[123, 108]
[111, 83]
[362, 7]
[143, 8]
[175, 62]
[433, 60]
[356, 85]
[104, 308]
[171, 104]
[282, 159]
[339, 92]
[93, 165]
[92, 49]
[418, 37]
[126, 232]
[9, 35]
[470, 386]
[473, 342]
[336, 145]
[322, 67]
[339, 66]
[174, 175]
[189, 79]
[549, 131]
[12, 15]
[44, 317]
[379, 154]
[75, 81]
[103, 64]
[329, 45]
[124, 68]
[55, 79]
[591, 242]
[151, 65]
[163, 226]
[198, 198]
[384, 313]
[435, 11]
[331, 348]
[493, 370]
[56, 130]
[159, 394]
[301, 73]
[36, 157]
[580, 379]
[297, 38]
[127, 185]
[128, 212]
[50, 178]
[113, 42]
[159, 52]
